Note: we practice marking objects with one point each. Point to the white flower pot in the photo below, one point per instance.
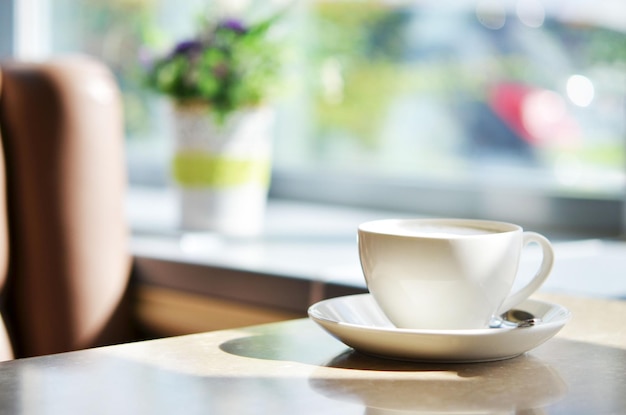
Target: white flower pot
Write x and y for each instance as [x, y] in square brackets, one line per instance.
[223, 171]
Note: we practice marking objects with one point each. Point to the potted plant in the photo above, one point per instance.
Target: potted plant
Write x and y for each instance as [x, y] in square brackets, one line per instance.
[219, 82]
[227, 66]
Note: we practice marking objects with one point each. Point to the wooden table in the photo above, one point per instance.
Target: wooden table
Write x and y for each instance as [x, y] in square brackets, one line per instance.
[294, 367]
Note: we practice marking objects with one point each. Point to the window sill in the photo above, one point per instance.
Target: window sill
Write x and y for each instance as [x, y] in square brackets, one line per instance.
[308, 252]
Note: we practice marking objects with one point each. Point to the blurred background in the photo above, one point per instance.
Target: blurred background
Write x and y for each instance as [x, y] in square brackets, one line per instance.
[507, 109]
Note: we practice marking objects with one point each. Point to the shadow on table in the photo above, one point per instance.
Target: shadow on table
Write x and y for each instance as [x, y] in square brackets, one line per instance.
[560, 377]
[380, 385]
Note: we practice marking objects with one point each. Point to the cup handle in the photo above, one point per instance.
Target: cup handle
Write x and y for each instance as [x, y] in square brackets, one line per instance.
[542, 274]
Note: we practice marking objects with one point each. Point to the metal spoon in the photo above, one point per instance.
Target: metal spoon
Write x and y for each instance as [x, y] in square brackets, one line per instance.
[514, 318]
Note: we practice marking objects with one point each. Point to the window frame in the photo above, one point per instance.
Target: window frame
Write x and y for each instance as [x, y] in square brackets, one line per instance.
[531, 208]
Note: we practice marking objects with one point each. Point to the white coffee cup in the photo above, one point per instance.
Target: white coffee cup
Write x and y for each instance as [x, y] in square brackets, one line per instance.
[439, 274]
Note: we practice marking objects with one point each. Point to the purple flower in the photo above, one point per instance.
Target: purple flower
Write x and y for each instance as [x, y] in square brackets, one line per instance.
[188, 47]
[234, 25]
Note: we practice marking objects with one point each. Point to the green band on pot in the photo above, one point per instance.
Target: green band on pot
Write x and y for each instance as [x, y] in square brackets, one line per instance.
[198, 169]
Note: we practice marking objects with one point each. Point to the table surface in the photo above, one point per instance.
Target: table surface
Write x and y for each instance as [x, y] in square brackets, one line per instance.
[295, 367]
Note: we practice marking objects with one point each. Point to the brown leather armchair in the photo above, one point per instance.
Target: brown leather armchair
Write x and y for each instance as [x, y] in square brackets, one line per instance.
[64, 242]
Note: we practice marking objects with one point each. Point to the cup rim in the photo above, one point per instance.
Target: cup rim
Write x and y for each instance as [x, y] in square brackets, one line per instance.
[498, 227]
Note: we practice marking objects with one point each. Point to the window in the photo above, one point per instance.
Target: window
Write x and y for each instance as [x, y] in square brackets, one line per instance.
[506, 109]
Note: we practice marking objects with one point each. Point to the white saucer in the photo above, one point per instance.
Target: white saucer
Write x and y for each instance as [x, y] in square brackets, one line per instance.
[358, 322]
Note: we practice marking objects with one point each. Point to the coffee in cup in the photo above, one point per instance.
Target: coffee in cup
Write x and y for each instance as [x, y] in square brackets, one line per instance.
[439, 274]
